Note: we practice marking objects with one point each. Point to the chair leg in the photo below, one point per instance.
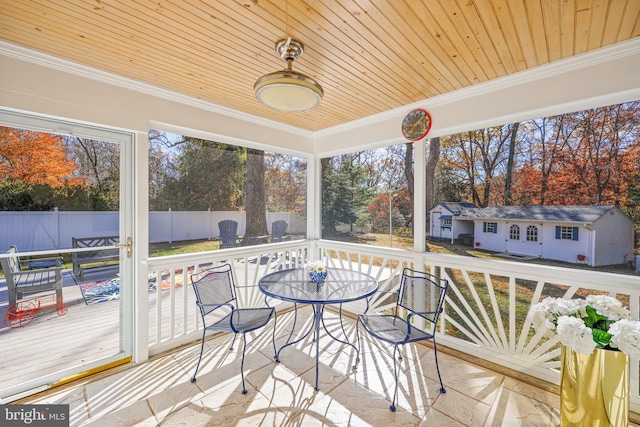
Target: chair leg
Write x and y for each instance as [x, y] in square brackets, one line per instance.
[244, 347]
[233, 341]
[395, 374]
[435, 353]
[355, 367]
[193, 379]
[275, 327]
[275, 324]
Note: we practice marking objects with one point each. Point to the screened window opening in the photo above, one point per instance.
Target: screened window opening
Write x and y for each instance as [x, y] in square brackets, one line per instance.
[216, 195]
[366, 197]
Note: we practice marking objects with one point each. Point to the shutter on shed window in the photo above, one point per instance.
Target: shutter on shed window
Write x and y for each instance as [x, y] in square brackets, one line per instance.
[575, 233]
[484, 227]
[558, 232]
[495, 228]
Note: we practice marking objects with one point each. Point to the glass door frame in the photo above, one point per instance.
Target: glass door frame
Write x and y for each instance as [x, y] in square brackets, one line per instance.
[127, 142]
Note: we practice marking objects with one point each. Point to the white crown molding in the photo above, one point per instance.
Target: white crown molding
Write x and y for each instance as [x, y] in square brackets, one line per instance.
[563, 66]
[35, 57]
[582, 104]
[212, 136]
[361, 147]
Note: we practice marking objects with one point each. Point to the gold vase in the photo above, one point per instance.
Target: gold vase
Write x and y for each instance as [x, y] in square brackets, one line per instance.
[594, 389]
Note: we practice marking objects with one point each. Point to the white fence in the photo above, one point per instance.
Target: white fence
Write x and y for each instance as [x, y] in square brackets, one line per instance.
[40, 231]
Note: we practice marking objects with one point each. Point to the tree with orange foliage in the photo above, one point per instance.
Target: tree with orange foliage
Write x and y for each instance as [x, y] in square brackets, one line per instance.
[35, 158]
[583, 158]
[379, 209]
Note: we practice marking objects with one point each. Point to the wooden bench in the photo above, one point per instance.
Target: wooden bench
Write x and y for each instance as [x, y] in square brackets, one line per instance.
[94, 258]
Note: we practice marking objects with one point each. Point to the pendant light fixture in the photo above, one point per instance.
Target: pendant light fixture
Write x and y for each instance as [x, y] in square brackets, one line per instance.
[288, 90]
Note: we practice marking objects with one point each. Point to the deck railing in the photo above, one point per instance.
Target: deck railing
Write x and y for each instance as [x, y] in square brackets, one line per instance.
[486, 307]
[177, 302]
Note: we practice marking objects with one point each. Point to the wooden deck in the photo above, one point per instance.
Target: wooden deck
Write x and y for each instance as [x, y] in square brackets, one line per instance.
[87, 332]
[50, 342]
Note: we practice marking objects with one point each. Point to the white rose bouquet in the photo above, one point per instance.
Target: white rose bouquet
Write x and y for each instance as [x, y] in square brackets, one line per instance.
[598, 321]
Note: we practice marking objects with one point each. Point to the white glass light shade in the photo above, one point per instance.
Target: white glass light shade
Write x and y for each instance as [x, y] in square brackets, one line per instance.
[288, 91]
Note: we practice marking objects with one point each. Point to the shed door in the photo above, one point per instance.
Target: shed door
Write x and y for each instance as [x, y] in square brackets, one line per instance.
[524, 239]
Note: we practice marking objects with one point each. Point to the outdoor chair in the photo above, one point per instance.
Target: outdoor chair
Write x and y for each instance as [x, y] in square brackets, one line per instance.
[42, 275]
[420, 296]
[216, 289]
[278, 230]
[228, 233]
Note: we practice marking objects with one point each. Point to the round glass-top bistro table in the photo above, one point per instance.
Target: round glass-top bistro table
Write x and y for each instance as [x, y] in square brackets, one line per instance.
[340, 286]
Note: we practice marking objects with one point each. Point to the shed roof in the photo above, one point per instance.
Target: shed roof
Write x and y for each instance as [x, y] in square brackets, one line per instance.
[539, 213]
[454, 207]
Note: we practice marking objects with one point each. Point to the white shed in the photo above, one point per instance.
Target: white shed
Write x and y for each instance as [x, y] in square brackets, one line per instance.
[442, 222]
[593, 235]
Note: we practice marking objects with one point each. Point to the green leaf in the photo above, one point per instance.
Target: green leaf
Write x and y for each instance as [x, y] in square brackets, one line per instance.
[592, 317]
[601, 338]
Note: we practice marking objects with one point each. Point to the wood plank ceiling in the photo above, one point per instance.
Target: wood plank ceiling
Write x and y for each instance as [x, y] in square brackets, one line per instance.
[369, 55]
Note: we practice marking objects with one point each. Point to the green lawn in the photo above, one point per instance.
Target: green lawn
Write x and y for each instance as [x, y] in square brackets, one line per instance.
[183, 247]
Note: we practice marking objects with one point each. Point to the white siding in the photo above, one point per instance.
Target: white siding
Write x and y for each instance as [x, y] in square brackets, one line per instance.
[613, 239]
[490, 241]
[609, 240]
[563, 249]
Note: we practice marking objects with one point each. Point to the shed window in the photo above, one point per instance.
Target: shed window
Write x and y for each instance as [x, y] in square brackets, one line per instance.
[532, 233]
[566, 233]
[514, 232]
[490, 227]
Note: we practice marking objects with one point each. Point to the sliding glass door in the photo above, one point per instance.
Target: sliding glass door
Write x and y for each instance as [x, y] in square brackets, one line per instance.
[66, 292]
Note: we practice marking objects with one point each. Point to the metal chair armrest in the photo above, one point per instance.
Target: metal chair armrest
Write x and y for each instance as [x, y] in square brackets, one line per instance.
[413, 313]
[408, 320]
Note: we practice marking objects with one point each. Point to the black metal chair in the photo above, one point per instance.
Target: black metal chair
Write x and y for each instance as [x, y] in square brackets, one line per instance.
[216, 289]
[228, 233]
[421, 295]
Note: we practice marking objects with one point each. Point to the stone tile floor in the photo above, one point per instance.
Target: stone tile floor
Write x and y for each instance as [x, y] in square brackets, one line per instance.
[159, 392]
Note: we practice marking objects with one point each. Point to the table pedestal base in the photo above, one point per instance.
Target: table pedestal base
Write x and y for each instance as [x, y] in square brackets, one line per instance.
[318, 311]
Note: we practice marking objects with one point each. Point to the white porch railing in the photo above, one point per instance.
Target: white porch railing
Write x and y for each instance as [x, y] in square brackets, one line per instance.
[486, 306]
[177, 303]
